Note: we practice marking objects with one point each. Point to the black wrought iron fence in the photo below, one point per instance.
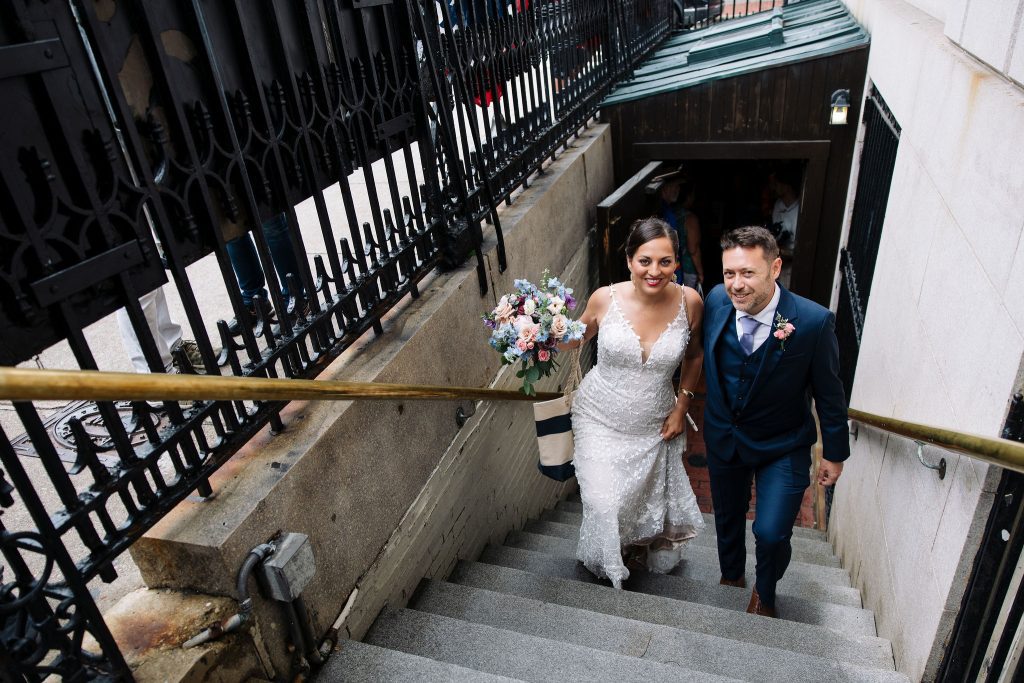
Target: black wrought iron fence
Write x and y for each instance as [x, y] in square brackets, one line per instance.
[320, 157]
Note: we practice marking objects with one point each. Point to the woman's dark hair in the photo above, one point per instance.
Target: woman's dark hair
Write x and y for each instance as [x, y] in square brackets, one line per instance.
[750, 237]
[646, 229]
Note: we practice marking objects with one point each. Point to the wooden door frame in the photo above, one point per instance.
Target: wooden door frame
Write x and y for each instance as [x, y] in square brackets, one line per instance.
[814, 152]
[614, 214]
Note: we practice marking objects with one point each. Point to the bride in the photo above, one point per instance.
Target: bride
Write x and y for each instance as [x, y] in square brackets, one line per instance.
[628, 423]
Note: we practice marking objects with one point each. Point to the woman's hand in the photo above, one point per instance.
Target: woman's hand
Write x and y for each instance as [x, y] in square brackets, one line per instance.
[675, 423]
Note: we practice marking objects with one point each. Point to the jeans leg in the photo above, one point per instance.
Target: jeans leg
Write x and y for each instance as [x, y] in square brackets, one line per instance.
[246, 264]
[730, 496]
[275, 231]
[780, 491]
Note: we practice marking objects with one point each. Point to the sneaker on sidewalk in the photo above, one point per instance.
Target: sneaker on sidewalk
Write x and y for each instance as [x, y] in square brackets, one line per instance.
[191, 350]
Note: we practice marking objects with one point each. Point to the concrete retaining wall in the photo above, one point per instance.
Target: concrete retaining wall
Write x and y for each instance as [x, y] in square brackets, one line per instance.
[393, 491]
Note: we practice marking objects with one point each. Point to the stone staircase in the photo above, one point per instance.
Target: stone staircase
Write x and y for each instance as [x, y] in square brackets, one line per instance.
[529, 611]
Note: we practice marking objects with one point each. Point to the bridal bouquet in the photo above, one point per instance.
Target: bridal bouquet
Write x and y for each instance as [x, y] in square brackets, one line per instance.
[528, 324]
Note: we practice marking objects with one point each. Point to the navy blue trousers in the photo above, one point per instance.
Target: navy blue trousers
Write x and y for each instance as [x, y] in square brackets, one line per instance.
[246, 261]
[780, 491]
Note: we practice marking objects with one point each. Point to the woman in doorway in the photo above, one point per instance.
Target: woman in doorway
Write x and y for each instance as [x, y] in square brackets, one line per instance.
[691, 266]
[628, 422]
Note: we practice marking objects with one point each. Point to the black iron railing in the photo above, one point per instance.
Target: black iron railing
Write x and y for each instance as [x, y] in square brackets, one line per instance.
[144, 137]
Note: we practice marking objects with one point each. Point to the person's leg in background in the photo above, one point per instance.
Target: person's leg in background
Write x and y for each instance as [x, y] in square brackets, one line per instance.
[246, 264]
[166, 333]
[275, 231]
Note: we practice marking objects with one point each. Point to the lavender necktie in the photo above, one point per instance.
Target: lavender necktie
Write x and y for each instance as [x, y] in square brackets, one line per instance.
[748, 325]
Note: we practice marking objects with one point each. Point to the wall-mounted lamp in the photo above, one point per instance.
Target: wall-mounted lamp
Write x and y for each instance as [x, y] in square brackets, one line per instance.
[840, 107]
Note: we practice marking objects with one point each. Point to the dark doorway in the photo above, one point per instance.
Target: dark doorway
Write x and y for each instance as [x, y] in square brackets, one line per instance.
[729, 193]
[730, 189]
[857, 259]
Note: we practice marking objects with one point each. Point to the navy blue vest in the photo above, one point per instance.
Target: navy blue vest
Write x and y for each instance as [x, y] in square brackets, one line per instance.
[736, 369]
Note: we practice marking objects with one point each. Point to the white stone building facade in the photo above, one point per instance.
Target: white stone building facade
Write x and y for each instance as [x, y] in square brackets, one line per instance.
[944, 329]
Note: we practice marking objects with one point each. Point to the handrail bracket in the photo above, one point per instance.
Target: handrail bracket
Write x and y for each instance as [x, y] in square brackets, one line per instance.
[941, 467]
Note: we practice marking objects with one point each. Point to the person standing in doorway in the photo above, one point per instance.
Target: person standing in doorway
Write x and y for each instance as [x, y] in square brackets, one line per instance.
[786, 210]
[677, 199]
[768, 353]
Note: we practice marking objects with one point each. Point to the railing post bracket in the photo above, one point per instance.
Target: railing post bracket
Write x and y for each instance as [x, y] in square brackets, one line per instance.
[941, 467]
[462, 415]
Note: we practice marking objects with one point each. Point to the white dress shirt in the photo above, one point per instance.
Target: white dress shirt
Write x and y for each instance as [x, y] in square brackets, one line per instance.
[766, 317]
[786, 215]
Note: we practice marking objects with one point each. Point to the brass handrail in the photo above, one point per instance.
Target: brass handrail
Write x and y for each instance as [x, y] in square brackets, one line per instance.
[17, 384]
[1002, 452]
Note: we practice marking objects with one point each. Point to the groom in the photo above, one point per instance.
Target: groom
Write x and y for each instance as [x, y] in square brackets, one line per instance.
[768, 352]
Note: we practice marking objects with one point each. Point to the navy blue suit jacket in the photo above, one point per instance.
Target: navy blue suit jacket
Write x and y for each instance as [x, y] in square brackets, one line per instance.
[775, 418]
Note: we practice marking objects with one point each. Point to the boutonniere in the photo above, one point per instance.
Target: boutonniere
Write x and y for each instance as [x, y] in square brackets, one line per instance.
[783, 328]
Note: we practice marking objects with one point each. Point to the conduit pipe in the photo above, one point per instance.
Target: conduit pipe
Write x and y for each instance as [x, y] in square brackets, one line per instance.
[235, 621]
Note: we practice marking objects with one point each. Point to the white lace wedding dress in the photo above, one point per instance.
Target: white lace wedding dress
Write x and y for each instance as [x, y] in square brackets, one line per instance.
[637, 499]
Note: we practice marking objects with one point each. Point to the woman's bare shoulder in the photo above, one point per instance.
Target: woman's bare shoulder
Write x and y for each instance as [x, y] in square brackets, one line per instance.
[598, 300]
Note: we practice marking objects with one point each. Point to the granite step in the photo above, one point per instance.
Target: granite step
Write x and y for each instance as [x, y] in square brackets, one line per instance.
[810, 539]
[649, 642]
[837, 617]
[803, 551]
[865, 651]
[355, 662]
[508, 653]
[576, 506]
[809, 581]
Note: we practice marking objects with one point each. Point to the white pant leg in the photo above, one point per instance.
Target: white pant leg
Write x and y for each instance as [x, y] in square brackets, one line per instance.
[166, 333]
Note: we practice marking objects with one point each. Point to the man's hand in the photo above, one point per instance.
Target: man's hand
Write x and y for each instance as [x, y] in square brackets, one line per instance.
[828, 472]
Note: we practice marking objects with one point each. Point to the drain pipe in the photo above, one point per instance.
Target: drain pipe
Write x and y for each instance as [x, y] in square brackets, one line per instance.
[234, 622]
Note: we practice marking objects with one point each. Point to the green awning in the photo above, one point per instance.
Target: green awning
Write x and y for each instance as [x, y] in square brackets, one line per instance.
[802, 30]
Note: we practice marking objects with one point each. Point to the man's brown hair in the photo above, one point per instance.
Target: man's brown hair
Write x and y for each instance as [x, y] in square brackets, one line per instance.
[751, 236]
